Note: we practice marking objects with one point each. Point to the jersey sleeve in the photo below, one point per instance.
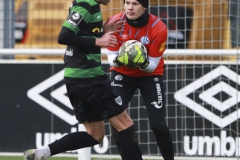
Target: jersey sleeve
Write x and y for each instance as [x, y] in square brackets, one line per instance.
[159, 38]
[78, 17]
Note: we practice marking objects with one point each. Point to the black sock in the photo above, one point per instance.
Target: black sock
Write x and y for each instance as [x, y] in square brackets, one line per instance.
[164, 142]
[129, 144]
[116, 140]
[72, 141]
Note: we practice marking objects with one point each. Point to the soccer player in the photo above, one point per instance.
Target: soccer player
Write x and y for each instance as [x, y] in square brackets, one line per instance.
[148, 76]
[88, 87]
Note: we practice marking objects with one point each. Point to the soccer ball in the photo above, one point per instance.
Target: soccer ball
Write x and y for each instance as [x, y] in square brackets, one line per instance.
[132, 53]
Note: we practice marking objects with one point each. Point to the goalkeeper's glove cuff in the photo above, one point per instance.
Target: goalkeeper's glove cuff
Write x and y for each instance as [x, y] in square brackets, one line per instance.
[145, 64]
[116, 62]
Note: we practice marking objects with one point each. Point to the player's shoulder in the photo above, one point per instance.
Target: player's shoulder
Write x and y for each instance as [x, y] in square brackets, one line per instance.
[120, 15]
[91, 2]
[157, 23]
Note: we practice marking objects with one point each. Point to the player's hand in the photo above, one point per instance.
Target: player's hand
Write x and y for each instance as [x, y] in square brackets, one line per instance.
[141, 62]
[107, 40]
[144, 64]
[118, 61]
[138, 57]
[114, 26]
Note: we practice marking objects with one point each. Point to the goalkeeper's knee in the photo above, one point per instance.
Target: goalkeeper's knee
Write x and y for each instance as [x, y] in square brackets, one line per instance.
[162, 131]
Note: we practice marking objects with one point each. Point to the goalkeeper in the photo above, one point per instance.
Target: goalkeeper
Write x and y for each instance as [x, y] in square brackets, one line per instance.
[148, 76]
[88, 87]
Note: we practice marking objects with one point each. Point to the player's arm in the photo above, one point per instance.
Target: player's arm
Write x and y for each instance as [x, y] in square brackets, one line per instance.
[150, 64]
[114, 59]
[77, 19]
[112, 52]
[68, 37]
[156, 50]
[112, 55]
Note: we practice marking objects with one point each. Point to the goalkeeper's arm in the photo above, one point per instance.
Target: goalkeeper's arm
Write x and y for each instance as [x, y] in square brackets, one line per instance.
[112, 55]
[150, 64]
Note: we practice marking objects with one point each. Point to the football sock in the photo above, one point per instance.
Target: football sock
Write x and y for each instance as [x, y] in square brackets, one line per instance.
[129, 144]
[116, 140]
[72, 141]
[43, 153]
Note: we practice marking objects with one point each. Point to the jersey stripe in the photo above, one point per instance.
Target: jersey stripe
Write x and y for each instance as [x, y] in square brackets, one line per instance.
[83, 73]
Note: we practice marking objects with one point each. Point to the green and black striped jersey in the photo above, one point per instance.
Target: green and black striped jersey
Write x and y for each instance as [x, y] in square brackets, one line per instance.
[85, 20]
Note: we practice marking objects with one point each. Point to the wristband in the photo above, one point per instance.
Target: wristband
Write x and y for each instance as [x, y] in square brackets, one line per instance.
[145, 64]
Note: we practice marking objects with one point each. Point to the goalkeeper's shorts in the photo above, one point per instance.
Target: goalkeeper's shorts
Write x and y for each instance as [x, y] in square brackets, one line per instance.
[93, 100]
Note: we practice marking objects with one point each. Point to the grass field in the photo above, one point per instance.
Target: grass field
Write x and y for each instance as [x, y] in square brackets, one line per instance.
[52, 158]
[21, 157]
[109, 158]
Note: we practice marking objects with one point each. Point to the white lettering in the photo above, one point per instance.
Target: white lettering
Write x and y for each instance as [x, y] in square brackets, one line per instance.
[209, 144]
[223, 146]
[71, 22]
[224, 141]
[103, 147]
[187, 149]
[69, 53]
[237, 146]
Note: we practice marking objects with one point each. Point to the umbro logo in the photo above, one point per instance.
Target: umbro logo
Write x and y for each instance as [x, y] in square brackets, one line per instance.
[210, 96]
[58, 94]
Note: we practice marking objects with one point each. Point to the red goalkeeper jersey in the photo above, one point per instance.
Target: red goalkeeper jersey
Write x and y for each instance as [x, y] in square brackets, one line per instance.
[153, 36]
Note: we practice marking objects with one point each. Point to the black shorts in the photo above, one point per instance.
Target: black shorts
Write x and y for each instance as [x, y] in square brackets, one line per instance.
[152, 92]
[93, 99]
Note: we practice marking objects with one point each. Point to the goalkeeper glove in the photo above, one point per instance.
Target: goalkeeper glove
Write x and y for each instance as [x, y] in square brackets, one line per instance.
[139, 57]
[118, 61]
[144, 64]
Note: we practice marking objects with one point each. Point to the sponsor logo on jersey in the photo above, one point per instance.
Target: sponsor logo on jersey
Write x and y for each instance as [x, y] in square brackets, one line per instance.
[124, 36]
[145, 40]
[156, 79]
[162, 47]
[96, 29]
[74, 19]
[118, 77]
[69, 53]
[119, 85]
[118, 100]
[159, 103]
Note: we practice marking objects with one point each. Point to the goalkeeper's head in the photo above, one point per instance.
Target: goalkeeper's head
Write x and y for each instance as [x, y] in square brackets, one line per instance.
[144, 3]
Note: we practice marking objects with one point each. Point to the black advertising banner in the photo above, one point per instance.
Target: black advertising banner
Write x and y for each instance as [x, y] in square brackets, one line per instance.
[202, 109]
[178, 19]
[208, 108]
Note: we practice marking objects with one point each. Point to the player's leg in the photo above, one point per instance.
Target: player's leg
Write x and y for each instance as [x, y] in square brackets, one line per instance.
[126, 137]
[154, 99]
[84, 104]
[84, 112]
[94, 135]
[121, 85]
[72, 141]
